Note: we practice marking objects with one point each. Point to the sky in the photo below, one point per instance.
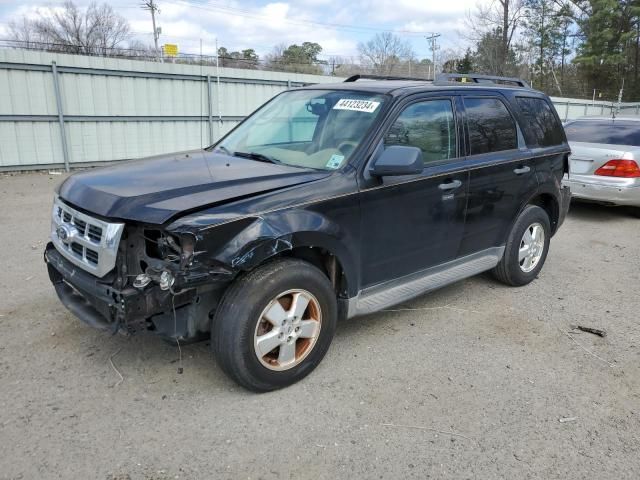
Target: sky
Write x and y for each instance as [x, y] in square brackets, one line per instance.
[337, 25]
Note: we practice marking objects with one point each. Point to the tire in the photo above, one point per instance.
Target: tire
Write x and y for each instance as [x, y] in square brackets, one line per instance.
[248, 317]
[512, 270]
[635, 211]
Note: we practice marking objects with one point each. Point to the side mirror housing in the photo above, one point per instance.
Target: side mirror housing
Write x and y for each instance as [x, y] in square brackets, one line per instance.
[398, 160]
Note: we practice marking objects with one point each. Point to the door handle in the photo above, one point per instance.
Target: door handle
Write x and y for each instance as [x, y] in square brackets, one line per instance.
[520, 171]
[452, 185]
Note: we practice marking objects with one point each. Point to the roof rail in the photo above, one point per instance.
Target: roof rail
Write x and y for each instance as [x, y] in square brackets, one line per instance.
[362, 76]
[472, 78]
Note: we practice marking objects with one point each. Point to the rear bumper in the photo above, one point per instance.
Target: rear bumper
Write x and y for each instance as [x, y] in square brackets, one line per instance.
[99, 304]
[611, 190]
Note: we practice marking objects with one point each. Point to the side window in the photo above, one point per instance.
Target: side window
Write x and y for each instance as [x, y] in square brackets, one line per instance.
[542, 125]
[428, 125]
[491, 126]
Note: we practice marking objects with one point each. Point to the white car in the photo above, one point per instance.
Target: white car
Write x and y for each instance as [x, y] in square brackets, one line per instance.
[604, 166]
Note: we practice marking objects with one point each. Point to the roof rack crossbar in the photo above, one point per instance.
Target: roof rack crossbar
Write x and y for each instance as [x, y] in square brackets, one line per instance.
[362, 76]
[471, 78]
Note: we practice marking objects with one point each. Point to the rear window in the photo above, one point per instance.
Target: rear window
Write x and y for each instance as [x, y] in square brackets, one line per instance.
[542, 127]
[491, 126]
[611, 132]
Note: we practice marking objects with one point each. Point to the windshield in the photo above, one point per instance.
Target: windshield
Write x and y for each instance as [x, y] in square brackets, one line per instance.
[611, 132]
[307, 128]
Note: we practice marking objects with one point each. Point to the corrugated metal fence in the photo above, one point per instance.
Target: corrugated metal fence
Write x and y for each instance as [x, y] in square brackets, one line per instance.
[58, 109]
[570, 108]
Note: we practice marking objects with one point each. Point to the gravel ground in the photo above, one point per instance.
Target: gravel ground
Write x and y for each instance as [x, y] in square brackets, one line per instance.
[478, 380]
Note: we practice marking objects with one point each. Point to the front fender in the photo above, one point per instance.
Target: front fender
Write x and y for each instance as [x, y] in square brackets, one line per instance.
[243, 244]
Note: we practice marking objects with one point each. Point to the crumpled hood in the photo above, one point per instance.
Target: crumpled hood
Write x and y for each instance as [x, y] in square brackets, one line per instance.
[155, 189]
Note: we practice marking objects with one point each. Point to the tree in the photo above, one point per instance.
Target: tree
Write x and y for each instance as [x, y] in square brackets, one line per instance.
[465, 64]
[610, 38]
[296, 58]
[306, 54]
[384, 53]
[543, 31]
[246, 58]
[494, 26]
[488, 56]
[97, 30]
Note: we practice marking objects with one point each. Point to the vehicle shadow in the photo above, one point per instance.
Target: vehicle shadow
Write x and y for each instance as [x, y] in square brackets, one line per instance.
[596, 212]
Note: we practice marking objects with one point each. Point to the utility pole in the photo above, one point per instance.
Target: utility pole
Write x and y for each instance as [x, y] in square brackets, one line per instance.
[153, 8]
[433, 39]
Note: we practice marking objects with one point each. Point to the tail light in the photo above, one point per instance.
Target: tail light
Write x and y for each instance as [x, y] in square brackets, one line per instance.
[619, 168]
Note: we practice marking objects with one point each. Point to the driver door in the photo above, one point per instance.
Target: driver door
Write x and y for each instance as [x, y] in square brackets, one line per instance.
[412, 223]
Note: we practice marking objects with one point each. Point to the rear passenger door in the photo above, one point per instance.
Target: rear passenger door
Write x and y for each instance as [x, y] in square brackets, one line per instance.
[501, 172]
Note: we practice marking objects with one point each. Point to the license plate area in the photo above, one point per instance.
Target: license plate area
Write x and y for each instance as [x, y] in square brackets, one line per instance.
[580, 165]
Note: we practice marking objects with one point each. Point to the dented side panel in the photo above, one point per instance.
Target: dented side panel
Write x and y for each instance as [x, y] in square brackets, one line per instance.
[231, 247]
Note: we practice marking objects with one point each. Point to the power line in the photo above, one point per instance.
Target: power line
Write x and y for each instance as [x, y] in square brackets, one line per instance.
[252, 14]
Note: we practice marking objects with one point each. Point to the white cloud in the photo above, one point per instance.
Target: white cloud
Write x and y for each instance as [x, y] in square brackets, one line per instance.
[261, 25]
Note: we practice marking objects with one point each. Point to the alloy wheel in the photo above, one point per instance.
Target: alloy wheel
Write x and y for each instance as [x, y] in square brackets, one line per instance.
[287, 329]
[531, 247]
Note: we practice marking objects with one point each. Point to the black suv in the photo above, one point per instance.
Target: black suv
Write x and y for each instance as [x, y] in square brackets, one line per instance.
[328, 202]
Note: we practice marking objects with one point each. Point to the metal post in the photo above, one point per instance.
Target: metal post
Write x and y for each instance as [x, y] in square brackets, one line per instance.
[218, 83]
[210, 109]
[63, 135]
[566, 112]
[288, 84]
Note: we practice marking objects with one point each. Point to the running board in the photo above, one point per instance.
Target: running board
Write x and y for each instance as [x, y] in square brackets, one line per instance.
[384, 295]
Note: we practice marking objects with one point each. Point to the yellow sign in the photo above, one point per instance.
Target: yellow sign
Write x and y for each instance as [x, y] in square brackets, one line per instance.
[170, 49]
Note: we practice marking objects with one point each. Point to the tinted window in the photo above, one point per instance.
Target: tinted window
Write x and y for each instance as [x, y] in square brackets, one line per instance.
[491, 126]
[612, 132]
[541, 124]
[428, 125]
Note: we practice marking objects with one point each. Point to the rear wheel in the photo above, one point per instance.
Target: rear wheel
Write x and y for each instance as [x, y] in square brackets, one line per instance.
[526, 248]
[275, 324]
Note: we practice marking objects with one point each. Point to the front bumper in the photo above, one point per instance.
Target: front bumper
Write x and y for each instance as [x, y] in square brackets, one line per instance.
[608, 190]
[99, 304]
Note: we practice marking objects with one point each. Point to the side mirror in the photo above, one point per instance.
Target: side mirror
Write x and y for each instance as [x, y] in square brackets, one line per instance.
[398, 160]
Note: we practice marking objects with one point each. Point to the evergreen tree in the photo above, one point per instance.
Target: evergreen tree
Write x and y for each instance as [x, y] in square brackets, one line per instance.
[465, 65]
[608, 50]
[543, 31]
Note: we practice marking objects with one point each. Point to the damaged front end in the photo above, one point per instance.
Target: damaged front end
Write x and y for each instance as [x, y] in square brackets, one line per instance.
[155, 285]
[166, 280]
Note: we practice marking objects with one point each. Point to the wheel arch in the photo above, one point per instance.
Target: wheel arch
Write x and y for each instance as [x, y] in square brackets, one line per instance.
[302, 234]
[550, 204]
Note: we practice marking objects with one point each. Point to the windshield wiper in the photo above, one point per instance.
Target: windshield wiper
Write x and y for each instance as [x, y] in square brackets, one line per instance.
[256, 156]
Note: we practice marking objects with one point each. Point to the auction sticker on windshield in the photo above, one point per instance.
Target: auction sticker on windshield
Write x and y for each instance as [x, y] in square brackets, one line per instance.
[335, 161]
[367, 106]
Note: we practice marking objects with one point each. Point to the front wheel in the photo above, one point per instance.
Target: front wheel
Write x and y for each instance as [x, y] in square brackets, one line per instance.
[526, 248]
[275, 324]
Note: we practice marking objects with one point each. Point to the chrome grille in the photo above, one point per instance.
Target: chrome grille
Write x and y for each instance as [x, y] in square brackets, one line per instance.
[88, 242]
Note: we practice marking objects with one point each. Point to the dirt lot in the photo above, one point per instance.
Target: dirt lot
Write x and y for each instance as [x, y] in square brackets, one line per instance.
[477, 381]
